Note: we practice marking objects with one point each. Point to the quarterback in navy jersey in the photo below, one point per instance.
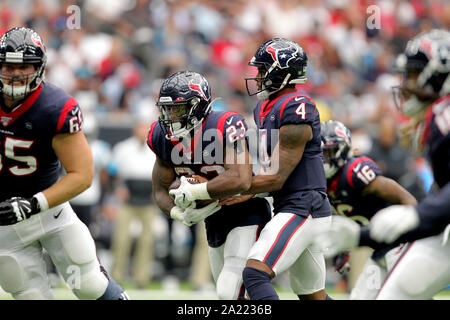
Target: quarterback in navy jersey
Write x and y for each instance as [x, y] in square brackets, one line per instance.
[357, 189]
[40, 130]
[291, 171]
[190, 139]
[425, 64]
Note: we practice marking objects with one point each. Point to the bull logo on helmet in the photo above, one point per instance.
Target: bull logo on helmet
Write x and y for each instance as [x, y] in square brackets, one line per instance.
[341, 133]
[198, 88]
[282, 53]
[37, 40]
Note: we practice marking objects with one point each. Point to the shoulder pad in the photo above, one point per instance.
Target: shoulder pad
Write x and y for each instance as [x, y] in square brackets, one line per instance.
[298, 109]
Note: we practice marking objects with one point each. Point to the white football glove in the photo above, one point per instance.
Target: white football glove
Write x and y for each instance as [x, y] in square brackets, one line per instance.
[193, 215]
[187, 193]
[390, 223]
[342, 235]
[178, 213]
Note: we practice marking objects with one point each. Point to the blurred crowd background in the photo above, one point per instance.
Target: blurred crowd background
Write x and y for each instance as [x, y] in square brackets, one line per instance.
[114, 58]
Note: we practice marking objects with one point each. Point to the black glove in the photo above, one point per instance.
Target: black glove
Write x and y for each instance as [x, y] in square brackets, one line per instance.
[341, 262]
[17, 209]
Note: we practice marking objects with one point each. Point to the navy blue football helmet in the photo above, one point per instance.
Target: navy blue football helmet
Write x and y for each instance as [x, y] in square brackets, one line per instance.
[279, 62]
[22, 46]
[425, 64]
[336, 146]
[184, 101]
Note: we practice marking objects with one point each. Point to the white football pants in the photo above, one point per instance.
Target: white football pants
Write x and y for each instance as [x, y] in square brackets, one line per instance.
[70, 246]
[286, 243]
[373, 275]
[229, 260]
[420, 272]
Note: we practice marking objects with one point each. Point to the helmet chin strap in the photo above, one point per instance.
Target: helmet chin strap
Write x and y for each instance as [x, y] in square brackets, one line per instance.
[19, 92]
[265, 94]
[413, 106]
[180, 132]
[330, 170]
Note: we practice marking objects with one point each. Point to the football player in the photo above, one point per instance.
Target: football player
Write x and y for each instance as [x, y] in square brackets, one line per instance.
[40, 130]
[423, 269]
[192, 139]
[357, 189]
[292, 172]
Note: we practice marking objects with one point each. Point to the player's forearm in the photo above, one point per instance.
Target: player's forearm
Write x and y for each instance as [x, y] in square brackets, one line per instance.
[265, 183]
[231, 182]
[164, 201]
[221, 187]
[390, 191]
[69, 186]
[399, 195]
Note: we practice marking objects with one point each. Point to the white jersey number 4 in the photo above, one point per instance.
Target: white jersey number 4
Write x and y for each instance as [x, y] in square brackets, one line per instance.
[301, 111]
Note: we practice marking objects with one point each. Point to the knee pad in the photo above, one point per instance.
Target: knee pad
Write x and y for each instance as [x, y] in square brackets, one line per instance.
[78, 244]
[91, 285]
[13, 276]
[230, 286]
[308, 274]
[14, 281]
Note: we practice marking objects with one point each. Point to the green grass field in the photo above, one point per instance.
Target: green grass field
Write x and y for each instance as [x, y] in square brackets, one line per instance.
[155, 292]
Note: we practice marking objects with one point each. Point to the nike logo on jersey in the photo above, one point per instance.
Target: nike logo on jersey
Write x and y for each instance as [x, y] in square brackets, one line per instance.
[298, 98]
[356, 169]
[229, 121]
[56, 216]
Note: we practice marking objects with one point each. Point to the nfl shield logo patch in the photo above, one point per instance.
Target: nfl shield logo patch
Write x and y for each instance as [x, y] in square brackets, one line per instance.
[5, 120]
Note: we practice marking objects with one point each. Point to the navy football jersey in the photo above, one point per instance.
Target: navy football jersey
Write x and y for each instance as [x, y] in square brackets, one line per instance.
[434, 210]
[345, 190]
[270, 116]
[28, 163]
[436, 140]
[203, 157]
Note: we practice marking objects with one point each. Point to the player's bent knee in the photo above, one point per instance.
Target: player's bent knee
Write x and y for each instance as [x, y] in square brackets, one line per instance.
[13, 275]
[92, 285]
[114, 292]
[228, 286]
[414, 282]
[78, 244]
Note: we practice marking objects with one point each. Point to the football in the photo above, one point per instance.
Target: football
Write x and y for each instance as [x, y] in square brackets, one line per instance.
[194, 179]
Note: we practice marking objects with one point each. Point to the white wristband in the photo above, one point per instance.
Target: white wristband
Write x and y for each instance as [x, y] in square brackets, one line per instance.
[199, 191]
[42, 200]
